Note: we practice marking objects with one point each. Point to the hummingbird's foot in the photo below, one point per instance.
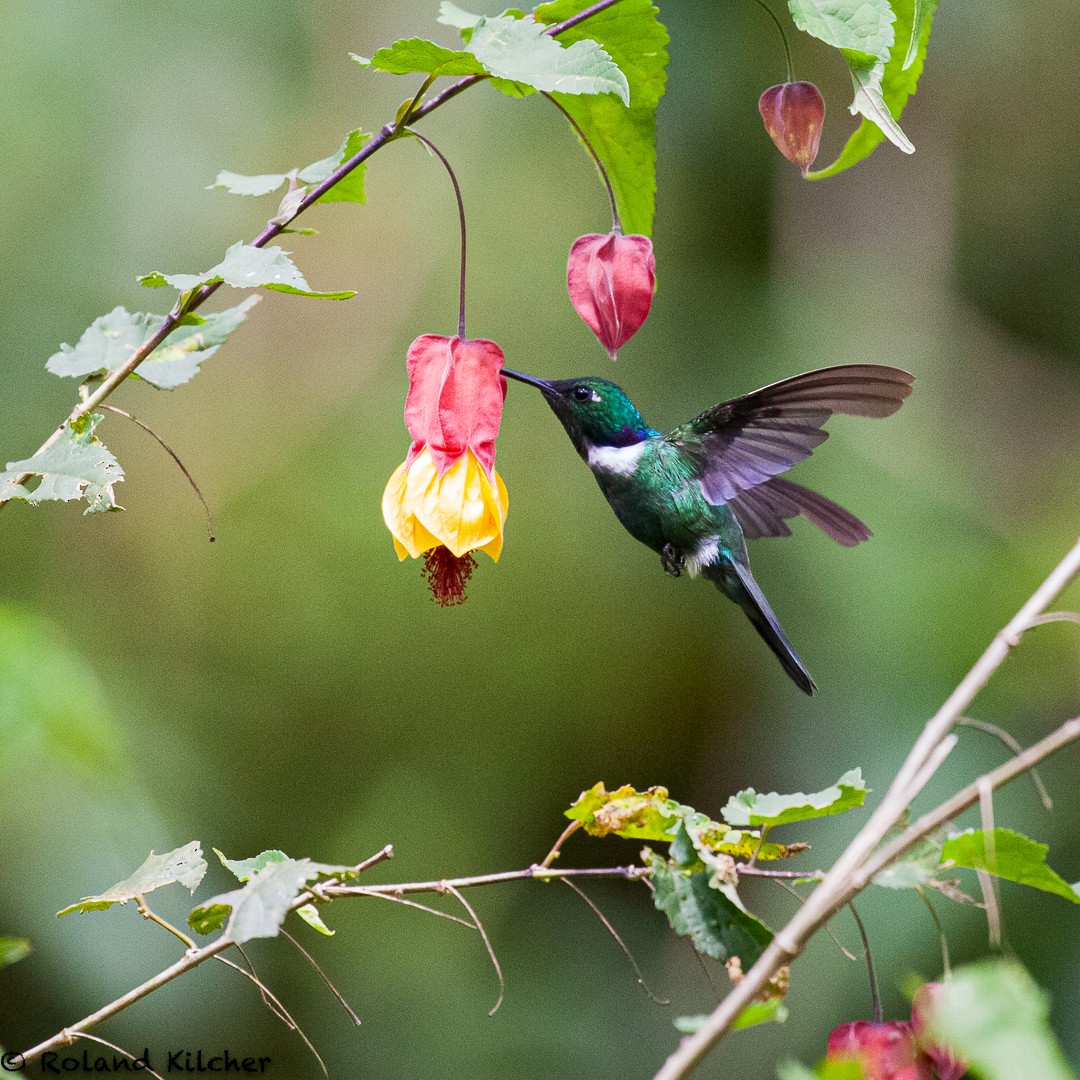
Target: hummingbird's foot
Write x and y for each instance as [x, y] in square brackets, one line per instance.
[672, 560]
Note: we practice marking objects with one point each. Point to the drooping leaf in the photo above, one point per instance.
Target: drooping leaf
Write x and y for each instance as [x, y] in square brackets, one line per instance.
[418, 56]
[750, 808]
[993, 1016]
[518, 50]
[12, 950]
[185, 866]
[258, 908]
[109, 342]
[863, 31]
[76, 466]
[247, 267]
[715, 924]
[1011, 856]
[899, 81]
[623, 136]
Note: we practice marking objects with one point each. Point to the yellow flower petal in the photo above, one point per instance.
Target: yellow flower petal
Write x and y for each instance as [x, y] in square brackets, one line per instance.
[410, 536]
[461, 508]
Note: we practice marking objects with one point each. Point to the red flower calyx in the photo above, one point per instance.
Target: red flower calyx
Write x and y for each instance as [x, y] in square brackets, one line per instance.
[794, 114]
[611, 280]
[886, 1049]
[925, 1001]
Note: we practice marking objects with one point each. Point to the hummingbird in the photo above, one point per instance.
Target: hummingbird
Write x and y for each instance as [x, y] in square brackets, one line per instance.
[696, 495]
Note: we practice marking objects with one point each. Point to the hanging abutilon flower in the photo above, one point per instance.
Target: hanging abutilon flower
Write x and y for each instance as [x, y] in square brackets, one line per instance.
[923, 1004]
[794, 114]
[446, 500]
[611, 280]
[885, 1049]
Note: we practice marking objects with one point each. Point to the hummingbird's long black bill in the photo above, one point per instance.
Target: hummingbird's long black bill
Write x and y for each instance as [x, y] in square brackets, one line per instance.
[532, 380]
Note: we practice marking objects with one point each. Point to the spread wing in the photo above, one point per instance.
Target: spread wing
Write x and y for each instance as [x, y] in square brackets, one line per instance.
[763, 510]
[743, 442]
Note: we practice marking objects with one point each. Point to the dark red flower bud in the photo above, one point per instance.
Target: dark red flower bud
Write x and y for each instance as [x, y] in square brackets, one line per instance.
[922, 1006]
[611, 281]
[886, 1050]
[794, 114]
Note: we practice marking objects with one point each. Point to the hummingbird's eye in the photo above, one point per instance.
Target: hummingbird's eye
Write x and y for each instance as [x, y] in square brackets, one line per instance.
[582, 393]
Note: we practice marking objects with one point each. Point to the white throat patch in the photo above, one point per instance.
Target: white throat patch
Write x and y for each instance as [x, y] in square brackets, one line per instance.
[621, 460]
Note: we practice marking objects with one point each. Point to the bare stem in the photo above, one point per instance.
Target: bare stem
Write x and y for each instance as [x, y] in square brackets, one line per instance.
[461, 222]
[616, 221]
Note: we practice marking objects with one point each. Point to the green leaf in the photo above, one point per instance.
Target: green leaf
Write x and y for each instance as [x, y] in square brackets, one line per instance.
[1013, 857]
[109, 342]
[863, 32]
[520, 51]
[310, 914]
[993, 1016]
[247, 267]
[750, 808]
[259, 908]
[245, 869]
[917, 868]
[624, 137]
[899, 81]
[76, 466]
[418, 56]
[349, 188]
[12, 950]
[185, 866]
[715, 924]
[238, 184]
[757, 1012]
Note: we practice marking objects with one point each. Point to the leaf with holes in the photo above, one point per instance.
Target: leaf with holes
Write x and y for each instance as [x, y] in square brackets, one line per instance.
[247, 267]
[76, 466]
[184, 866]
[110, 341]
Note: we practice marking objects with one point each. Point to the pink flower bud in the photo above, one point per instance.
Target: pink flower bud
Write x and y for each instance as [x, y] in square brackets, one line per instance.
[886, 1050]
[794, 114]
[926, 997]
[611, 281]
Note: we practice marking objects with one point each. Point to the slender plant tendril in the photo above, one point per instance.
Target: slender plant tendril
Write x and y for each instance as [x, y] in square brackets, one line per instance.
[616, 221]
[275, 226]
[783, 37]
[946, 967]
[875, 993]
[461, 220]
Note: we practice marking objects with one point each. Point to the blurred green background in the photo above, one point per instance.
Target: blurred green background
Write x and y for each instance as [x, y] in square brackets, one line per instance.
[292, 685]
